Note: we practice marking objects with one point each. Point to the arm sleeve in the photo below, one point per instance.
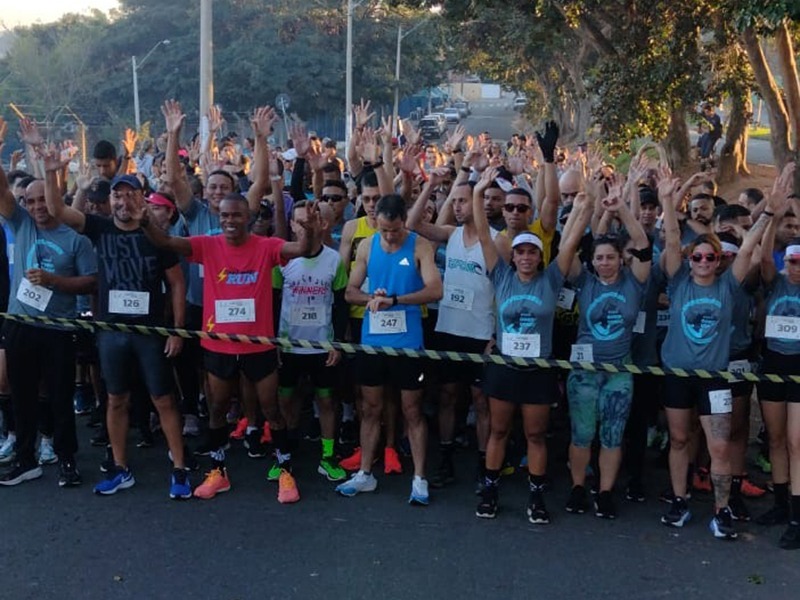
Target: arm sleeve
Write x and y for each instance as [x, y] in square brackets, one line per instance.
[198, 244]
[298, 177]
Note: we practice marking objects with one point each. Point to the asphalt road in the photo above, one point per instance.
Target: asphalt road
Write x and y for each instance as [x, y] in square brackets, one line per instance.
[67, 543]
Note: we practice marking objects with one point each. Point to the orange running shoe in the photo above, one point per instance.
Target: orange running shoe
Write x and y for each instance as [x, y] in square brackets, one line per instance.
[701, 482]
[266, 437]
[353, 462]
[751, 490]
[391, 462]
[215, 483]
[241, 429]
[287, 488]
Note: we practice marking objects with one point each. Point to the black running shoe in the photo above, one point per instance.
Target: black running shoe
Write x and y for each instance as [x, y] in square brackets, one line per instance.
[255, 449]
[536, 510]
[487, 508]
[635, 491]
[777, 515]
[20, 473]
[604, 506]
[738, 508]
[100, 439]
[68, 474]
[445, 474]
[790, 540]
[678, 514]
[577, 500]
[722, 525]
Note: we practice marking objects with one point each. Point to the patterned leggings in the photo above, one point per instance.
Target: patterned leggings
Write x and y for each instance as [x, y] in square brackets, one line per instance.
[605, 397]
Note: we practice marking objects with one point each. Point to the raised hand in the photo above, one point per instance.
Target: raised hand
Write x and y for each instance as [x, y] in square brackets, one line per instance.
[516, 165]
[362, 114]
[781, 190]
[263, 120]
[84, 179]
[412, 135]
[51, 157]
[316, 158]
[455, 138]
[29, 133]
[194, 150]
[129, 141]
[438, 175]
[299, 137]
[668, 191]
[215, 119]
[370, 147]
[409, 162]
[548, 141]
[173, 116]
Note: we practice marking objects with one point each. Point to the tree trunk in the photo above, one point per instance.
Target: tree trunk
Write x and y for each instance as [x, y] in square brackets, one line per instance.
[733, 158]
[791, 85]
[778, 117]
[677, 142]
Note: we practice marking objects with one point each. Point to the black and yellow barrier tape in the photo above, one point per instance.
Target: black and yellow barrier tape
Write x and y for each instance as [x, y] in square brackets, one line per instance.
[348, 348]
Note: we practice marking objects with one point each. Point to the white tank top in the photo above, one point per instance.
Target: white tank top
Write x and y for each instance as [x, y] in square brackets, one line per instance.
[467, 307]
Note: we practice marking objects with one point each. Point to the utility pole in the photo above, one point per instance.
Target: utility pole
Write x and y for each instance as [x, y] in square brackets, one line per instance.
[206, 65]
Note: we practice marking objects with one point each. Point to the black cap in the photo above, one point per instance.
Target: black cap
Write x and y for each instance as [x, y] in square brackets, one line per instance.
[99, 190]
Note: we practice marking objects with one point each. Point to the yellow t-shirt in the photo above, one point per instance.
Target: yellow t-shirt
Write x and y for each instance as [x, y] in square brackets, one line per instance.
[362, 232]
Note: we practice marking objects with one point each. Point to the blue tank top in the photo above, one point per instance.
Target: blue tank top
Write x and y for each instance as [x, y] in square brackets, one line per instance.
[397, 273]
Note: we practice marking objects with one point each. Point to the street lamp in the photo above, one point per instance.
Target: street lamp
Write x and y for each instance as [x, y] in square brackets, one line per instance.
[135, 67]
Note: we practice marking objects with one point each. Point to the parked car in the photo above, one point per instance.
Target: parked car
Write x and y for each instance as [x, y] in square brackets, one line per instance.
[520, 102]
[463, 108]
[430, 127]
[452, 115]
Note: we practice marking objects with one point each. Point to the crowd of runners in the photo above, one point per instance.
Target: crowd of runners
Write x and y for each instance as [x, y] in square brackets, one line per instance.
[525, 249]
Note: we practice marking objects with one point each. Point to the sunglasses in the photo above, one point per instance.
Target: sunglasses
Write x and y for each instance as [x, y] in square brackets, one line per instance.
[793, 261]
[331, 197]
[709, 257]
[520, 208]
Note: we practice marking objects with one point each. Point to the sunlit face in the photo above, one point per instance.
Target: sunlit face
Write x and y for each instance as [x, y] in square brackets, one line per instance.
[392, 231]
[704, 260]
[788, 229]
[606, 261]
[161, 216]
[233, 219]
[493, 200]
[35, 203]
[126, 202]
[336, 198]
[217, 187]
[517, 219]
[462, 205]
[369, 199]
[526, 258]
[702, 211]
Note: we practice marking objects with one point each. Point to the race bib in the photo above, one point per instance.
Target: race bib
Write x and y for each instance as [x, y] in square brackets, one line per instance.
[457, 297]
[582, 353]
[721, 402]
[124, 302]
[387, 321]
[566, 298]
[785, 328]
[36, 296]
[738, 367]
[638, 327]
[662, 320]
[523, 345]
[235, 311]
[307, 315]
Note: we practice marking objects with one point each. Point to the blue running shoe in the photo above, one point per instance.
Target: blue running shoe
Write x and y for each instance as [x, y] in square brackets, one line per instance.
[116, 479]
[179, 487]
[419, 492]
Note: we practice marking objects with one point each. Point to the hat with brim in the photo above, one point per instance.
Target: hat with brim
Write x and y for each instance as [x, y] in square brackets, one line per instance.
[527, 238]
[130, 180]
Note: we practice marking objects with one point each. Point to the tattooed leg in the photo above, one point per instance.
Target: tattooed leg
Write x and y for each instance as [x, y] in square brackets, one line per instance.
[718, 430]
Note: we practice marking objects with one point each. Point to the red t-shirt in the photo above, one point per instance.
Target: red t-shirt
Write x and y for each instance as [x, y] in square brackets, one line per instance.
[237, 289]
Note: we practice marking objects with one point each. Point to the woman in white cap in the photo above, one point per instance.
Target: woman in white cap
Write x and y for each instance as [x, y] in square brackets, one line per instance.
[526, 293]
[780, 402]
[608, 302]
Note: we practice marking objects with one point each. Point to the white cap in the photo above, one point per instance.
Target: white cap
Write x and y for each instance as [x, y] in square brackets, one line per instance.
[290, 154]
[792, 251]
[728, 247]
[527, 238]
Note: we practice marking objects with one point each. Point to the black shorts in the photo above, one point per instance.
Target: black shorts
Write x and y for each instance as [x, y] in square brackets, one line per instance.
[742, 389]
[294, 367]
[400, 372]
[255, 367]
[520, 385]
[119, 354]
[779, 364]
[693, 392]
[450, 371]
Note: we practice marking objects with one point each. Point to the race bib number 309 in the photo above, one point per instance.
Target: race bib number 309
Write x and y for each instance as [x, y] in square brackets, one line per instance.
[785, 328]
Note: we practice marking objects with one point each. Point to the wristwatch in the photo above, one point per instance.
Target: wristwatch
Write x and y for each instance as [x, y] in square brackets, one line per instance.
[394, 299]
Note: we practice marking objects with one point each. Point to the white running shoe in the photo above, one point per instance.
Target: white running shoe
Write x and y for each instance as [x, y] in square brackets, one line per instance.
[47, 456]
[359, 482]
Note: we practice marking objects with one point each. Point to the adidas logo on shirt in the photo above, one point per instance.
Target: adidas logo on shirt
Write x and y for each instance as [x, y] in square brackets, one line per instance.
[404, 262]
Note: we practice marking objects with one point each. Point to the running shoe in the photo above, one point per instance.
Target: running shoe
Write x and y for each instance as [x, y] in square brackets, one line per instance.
[206, 448]
[47, 455]
[287, 488]
[179, 486]
[82, 400]
[738, 508]
[419, 492]
[68, 474]
[7, 452]
[391, 462]
[487, 507]
[678, 514]
[701, 482]
[790, 540]
[507, 470]
[347, 433]
[751, 490]
[405, 447]
[762, 462]
[255, 449]
[314, 431]
[241, 428]
[146, 439]
[191, 426]
[722, 525]
[536, 510]
[604, 506]
[216, 482]
[777, 515]
[359, 482]
[266, 437]
[352, 462]
[577, 503]
[20, 474]
[635, 491]
[274, 473]
[189, 460]
[331, 470]
[108, 463]
[116, 479]
[445, 474]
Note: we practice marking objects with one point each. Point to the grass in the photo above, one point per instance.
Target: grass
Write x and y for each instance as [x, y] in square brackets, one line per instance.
[759, 133]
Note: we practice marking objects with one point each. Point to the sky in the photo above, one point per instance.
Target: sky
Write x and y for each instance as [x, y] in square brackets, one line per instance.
[45, 11]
